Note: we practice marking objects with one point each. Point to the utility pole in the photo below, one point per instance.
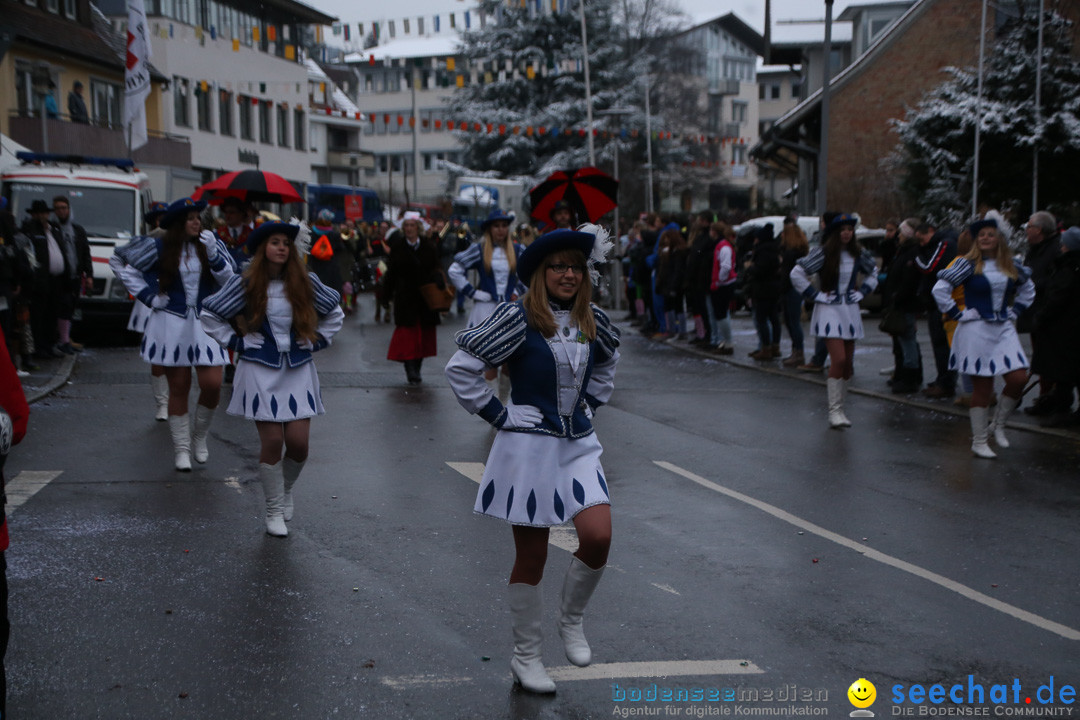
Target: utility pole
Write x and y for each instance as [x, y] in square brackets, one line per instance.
[823, 152]
[588, 89]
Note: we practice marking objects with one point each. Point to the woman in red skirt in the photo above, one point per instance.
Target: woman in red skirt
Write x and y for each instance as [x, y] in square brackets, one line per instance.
[414, 261]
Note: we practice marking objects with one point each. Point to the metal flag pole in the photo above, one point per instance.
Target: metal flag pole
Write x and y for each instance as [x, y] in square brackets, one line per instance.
[588, 89]
[1038, 115]
[978, 115]
[823, 150]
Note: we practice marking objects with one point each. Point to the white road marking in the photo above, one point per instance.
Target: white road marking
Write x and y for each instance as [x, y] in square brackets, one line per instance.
[26, 484]
[602, 671]
[234, 482]
[970, 593]
[666, 588]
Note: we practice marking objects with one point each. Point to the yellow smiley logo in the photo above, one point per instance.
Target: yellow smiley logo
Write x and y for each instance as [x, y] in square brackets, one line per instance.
[862, 693]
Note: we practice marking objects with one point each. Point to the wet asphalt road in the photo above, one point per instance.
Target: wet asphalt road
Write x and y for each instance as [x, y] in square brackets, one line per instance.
[801, 556]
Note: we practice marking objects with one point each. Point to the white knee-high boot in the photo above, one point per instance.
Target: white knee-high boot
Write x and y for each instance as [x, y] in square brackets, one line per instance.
[526, 607]
[834, 387]
[578, 587]
[273, 482]
[1005, 407]
[979, 432]
[180, 428]
[203, 416]
[159, 384]
[291, 470]
[843, 402]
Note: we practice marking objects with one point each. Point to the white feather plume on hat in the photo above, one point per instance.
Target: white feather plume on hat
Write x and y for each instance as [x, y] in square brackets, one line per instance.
[302, 243]
[1003, 225]
[600, 249]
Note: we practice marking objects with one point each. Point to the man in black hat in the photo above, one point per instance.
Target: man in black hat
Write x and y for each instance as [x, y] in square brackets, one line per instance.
[50, 278]
[79, 271]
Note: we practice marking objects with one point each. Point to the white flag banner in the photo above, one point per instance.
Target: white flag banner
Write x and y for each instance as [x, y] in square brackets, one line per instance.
[136, 75]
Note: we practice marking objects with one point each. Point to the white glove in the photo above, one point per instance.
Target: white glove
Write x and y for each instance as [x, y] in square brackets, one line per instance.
[969, 315]
[210, 243]
[855, 296]
[522, 416]
[589, 412]
[826, 298]
[1011, 315]
[305, 344]
[481, 296]
[253, 341]
[159, 301]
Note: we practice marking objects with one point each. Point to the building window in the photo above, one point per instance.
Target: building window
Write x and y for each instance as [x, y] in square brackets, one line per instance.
[298, 128]
[225, 112]
[203, 109]
[181, 111]
[796, 88]
[70, 9]
[53, 6]
[738, 111]
[246, 103]
[738, 154]
[105, 102]
[282, 126]
[264, 122]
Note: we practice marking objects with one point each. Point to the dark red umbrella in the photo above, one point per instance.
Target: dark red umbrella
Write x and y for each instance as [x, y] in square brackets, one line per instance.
[250, 186]
[590, 192]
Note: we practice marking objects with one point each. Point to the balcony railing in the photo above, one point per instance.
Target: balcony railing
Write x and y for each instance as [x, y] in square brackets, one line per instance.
[71, 138]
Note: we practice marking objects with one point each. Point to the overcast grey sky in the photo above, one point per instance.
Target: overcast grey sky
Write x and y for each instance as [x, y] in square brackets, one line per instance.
[751, 11]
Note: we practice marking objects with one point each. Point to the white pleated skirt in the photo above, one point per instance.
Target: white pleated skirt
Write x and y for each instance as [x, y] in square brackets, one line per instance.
[140, 314]
[540, 480]
[175, 341]
[275, 394]
[836, 321]
[986, 349]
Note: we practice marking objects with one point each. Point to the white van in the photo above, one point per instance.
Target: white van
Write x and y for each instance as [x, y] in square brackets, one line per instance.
[108, 197]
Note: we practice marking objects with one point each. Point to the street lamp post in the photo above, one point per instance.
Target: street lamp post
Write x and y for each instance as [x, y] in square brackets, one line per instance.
[588, 89]
[823, 152]
[616, 266]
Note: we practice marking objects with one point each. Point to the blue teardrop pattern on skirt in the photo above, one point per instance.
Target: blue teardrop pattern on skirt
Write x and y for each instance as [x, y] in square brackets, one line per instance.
[509, 501]
[579, 492]
[1008, 363]
[293, 407]
[243, 402]
[488, 495]
[255, 405]
[176, 354]
[198, 353]
[191, 355]
[603, 485]
[142, 346]
[560, 511]
[851, 329]
[828, 327]
[952, 362]
[530, 505]
[993, 368]
[311, 401]
[978, 365]
[273, 405]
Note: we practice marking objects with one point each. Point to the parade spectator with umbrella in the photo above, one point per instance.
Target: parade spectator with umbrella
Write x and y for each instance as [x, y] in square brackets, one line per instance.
[587, 193]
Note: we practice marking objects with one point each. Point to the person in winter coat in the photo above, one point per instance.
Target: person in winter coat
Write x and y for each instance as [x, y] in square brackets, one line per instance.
[985, 344]
[1056, 330]
[413, 261]
[274, 317]
[722, 288]
[79, 267]
[901, 295]
[765, 288]
[670, 280]
[173, 275]
[699, 276]
[937, 248]
[839, 263]
[1044, 248]
[544, 467]
[793, 245]
[326, 253]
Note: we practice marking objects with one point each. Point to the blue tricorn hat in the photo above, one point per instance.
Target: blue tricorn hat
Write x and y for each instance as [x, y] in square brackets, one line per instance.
[843, 219]
[555, 241]
[179, 210]
[262, 233]
[978, 225]
[157, 209]
[495, 216]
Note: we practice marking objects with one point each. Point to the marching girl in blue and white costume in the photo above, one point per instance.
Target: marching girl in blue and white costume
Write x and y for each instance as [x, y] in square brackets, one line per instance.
[140, 314]
[839, 263]
[985, 343]
[274, 316]
[495, 260]
[544, 466]
[172, 275]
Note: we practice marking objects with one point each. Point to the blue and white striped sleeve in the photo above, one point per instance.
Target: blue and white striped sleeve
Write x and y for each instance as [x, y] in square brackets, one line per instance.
[496, 338]
[229, 301]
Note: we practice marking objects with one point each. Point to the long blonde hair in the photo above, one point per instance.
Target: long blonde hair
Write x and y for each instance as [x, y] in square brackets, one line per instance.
[1003, 259]
[508, 248]
[298, 290]
[536, 303]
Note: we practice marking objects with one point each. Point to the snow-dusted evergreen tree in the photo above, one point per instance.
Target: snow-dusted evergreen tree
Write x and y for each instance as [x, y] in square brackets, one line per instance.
[936, 150]
[555, 98]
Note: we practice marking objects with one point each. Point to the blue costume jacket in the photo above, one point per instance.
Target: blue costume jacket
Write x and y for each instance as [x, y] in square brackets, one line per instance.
[144, 255]
[472, 258]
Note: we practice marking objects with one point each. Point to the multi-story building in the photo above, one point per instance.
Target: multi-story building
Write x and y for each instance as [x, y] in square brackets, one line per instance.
[403, 87]
[336, 124]
[49, 46]
[780, 88]
[713, 93]
[238, 82]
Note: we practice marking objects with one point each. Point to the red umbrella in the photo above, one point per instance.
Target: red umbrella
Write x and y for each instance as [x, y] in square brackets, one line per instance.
[590, 193]
[250, 186]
